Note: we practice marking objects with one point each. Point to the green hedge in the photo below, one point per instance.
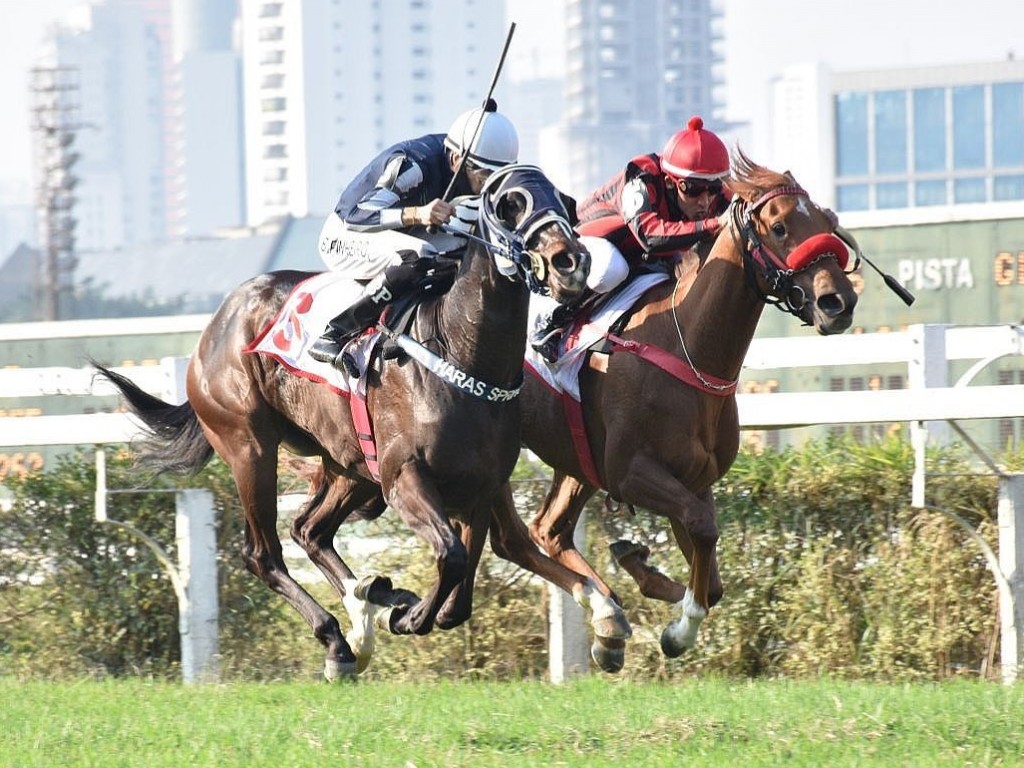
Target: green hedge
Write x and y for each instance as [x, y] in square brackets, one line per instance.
[827, 570]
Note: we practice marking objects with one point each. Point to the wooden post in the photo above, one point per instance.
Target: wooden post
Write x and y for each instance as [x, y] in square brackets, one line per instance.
[1011, 564]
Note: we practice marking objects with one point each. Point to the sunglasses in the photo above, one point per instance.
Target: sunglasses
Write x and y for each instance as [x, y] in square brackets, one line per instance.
[698, 188]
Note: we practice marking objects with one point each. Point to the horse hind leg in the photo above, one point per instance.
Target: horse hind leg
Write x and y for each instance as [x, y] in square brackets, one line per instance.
[334, 498]
[565, 567]
[255, 471]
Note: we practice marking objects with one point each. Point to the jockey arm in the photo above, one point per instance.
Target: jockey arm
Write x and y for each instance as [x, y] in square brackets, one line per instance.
[391, 201]
[646, 211]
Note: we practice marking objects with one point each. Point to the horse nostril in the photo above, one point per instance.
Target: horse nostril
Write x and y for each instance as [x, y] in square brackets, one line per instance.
[831, 304]
[564, 263]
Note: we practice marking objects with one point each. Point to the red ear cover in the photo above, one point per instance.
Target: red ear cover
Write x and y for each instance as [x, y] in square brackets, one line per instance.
[815, 247]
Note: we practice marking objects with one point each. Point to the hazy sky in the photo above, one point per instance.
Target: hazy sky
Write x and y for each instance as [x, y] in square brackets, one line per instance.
[762, 37]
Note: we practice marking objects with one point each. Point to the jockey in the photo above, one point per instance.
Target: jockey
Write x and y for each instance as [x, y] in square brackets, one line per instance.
[657, 206]
[384, 227]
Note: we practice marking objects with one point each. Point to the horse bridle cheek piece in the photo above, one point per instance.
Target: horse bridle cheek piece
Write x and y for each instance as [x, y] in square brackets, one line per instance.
[778, 273]
[543, 206]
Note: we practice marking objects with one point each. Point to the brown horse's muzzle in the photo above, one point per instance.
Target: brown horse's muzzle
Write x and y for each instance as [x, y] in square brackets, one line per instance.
[566, 272]
[831, 300]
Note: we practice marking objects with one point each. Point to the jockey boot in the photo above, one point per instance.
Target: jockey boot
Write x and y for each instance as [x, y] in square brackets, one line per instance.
[548, 338]
[362, 314]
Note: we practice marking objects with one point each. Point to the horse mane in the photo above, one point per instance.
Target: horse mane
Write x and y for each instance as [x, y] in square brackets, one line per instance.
[750, 180]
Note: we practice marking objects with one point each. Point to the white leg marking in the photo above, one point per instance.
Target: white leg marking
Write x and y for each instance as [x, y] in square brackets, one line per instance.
[684, 631]
[361, 637]
[605, 615]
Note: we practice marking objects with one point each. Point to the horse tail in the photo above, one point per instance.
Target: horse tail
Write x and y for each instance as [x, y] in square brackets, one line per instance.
[176, 441]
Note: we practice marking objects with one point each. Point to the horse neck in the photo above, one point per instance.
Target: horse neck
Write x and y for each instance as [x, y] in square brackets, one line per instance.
[717, 313]
[482, 320]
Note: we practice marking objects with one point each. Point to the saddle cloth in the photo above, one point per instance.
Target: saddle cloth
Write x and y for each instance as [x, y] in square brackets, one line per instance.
[302, 319]
[563, 375]
[316, 300]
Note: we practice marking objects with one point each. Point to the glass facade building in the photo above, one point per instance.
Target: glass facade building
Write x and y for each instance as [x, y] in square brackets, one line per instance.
[945, 136]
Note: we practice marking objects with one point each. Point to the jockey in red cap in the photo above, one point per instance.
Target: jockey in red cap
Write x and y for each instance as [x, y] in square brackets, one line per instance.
[656, 207]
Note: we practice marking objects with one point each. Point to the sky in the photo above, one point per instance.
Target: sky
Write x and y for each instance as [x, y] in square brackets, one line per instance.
[762, 38]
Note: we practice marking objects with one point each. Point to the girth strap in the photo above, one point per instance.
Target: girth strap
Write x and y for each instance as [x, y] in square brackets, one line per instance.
[675, 367]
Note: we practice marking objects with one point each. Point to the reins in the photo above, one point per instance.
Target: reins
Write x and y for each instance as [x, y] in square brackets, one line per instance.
[511, 258]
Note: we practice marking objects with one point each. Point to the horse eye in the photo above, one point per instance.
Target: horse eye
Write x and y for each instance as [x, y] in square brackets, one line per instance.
[779, 229]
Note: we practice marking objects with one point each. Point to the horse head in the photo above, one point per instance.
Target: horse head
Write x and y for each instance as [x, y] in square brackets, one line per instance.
[525, 219]
[792, 255]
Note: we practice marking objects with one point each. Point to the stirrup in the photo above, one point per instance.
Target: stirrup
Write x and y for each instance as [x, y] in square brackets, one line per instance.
[547, 345]
[325, 349]
[346, 362]
[545, 337]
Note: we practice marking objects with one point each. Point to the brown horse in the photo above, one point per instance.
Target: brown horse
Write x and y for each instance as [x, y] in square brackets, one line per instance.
[660, 416]
[445, 444]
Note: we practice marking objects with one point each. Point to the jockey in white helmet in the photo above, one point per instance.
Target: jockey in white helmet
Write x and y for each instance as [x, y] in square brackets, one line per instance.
[383, 228]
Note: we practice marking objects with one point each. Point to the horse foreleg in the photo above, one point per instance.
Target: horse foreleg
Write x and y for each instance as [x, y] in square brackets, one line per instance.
[704, 591]
[692, 519]
[419, 503]
[553, 528]
[459, 606]
[632, 557]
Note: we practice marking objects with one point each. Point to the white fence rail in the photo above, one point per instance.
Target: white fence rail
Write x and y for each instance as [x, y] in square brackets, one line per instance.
[929, 401]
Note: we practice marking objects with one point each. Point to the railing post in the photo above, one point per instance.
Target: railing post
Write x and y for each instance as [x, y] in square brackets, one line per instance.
[568, 650]
[927, 367]
[196, 540]
[1011, 564]
[176, 369]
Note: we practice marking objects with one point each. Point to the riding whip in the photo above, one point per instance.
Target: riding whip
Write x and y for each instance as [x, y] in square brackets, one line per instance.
[906, 296]
[483, 111]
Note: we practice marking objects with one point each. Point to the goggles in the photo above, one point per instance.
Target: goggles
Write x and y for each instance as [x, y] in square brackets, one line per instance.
[694, 188]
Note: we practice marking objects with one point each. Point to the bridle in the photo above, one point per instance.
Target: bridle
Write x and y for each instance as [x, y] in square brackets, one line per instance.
[761, 261]
[543, 207]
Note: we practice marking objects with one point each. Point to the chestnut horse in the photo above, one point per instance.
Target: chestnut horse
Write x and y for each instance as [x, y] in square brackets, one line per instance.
[660, 416]
[444, 447]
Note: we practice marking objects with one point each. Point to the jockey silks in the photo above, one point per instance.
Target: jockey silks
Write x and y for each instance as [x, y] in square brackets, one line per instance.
[636, 213]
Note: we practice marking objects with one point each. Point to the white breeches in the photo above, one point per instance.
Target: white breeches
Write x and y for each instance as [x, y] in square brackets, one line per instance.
[364, 255]
[608, 267]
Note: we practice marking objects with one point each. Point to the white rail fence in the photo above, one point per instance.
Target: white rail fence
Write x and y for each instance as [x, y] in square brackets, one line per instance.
[931, 404]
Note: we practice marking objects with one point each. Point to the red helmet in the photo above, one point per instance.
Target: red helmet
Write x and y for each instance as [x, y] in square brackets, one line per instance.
[695, 152]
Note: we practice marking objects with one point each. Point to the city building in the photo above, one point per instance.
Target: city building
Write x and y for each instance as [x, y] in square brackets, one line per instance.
[328, 84]
[926, 167]
[119, 136]
[919, 142]
[205, 169]
[636, 72]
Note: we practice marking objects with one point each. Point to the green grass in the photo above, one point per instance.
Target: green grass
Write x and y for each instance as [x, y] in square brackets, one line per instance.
[591, 722]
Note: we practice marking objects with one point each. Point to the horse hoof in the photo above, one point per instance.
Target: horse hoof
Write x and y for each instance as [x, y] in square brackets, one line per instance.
[609, 654]
[340, 671]
[624, 548]
[373, 589]
[669, 646]
[362, 662]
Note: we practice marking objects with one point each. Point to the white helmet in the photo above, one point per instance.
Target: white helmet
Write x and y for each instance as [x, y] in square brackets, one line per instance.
[496, 144]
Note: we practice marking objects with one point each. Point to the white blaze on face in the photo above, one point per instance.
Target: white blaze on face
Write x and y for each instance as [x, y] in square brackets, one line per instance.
[803, 205]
